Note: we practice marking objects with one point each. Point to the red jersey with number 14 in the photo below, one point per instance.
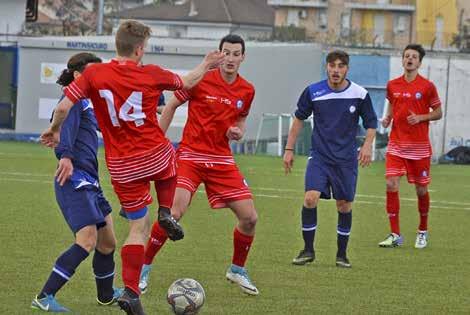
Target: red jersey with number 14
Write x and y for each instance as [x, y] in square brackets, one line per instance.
[418, 96]
[125, 97]
[214, 106]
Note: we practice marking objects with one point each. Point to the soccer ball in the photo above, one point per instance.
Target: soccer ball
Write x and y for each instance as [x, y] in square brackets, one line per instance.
[186, 296]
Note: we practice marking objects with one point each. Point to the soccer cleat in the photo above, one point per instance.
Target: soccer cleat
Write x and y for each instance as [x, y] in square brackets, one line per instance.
[130, 305]
[144, 278]
[48, 304]
[343, 262]
[421, 239]
[117, 293]
[240, 276]
[304, 257]
[392, 240]
[170, 225]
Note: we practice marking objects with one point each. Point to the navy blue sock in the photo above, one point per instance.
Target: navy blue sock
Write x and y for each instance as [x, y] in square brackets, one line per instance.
[309, 225]
[64, 269]
[103, 267]
[344, 229]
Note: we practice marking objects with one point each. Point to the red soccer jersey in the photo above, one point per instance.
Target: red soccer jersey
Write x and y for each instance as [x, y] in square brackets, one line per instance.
[418, 96]
[125, 97]
[214, 106]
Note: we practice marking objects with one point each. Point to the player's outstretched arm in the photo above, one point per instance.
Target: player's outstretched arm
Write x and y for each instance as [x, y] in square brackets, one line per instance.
[50, 137]
[365, 154]
[212, 60]
[294, 131]
[169, 113]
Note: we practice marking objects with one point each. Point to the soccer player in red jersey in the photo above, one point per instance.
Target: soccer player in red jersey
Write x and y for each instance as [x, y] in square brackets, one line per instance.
[125, 94]
[217, 110]
[414, 102]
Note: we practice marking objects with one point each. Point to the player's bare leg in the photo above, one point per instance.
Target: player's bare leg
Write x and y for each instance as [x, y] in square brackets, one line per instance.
[243, 236]
[423, 208]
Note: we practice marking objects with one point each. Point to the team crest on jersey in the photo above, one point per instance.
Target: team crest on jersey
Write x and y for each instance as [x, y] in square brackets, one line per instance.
[239, 104]
[352, 109]
[418, 95]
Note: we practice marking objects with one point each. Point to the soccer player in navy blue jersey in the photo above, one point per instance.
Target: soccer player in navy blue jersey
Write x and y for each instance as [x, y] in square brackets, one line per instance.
[81, 201]
[336, 104]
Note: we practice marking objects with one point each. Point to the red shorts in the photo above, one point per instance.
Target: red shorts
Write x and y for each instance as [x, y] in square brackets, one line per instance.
[135, 195]
[223, 183]
[417, 171]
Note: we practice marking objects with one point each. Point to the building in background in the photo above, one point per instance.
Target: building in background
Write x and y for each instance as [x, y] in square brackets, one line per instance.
[206, 19]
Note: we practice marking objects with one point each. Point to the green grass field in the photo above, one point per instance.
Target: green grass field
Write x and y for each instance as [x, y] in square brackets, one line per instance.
[404, 280]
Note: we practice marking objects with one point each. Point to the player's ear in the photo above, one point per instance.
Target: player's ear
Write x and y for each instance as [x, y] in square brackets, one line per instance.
[76, 74]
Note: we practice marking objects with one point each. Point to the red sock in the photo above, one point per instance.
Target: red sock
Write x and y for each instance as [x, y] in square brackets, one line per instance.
[393, 210]
[157, 239]
[132, 260]
[423, 208]
[241, 247]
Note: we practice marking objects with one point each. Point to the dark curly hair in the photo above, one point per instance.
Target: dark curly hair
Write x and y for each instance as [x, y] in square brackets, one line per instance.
[78, 63]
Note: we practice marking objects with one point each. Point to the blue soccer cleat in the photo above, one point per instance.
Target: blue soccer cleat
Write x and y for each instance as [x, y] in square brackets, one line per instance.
[239, 276]
[144, 278]
[48, 304]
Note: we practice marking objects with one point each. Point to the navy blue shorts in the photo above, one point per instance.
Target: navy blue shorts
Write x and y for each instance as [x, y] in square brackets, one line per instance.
[328, 178]
[82, 207]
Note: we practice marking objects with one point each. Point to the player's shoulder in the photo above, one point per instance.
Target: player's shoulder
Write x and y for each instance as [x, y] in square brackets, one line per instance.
[318, 89]
[246, 83]
[395, 81]
[356, 91]
[425, 82]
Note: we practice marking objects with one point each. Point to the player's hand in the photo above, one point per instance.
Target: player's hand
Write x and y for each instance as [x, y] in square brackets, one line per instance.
[234, 133]
[49, 138]
[414, 119]
[365, 155]
[288, 161]
[386, 121]
[64, 171]
[213, 59]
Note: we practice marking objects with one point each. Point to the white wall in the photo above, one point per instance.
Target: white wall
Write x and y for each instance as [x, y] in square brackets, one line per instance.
[12, 16]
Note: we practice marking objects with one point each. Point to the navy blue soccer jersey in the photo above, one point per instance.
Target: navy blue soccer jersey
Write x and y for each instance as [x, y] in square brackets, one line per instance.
[79, 142]
[336, 120]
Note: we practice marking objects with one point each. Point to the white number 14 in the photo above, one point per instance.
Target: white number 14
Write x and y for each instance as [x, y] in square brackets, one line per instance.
[131, 110]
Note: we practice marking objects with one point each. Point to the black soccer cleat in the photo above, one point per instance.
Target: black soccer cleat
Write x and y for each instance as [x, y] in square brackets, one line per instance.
[170, 225]
[129, 304]
[343, 262]
[304, 257]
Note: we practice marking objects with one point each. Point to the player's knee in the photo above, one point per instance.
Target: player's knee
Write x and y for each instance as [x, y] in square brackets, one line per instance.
[343, 206]
[106, 246]
[392, 184]
[249, 222]
[421, 190]
[311, 201]
[87, 238]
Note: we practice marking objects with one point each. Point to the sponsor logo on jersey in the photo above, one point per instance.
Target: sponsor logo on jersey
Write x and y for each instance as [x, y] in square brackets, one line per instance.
[406, 94]
[239, 104]
[318, 93]
[211, 99]
[225, 101]
[352, 109]
[418, 95]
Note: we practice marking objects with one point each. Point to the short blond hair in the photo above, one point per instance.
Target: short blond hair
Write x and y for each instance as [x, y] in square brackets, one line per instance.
[131, 34]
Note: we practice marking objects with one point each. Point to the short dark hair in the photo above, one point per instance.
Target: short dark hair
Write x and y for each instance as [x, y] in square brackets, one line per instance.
[338, 54]
[232, 39]
[78, 63]
[416, 47]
